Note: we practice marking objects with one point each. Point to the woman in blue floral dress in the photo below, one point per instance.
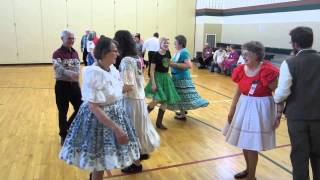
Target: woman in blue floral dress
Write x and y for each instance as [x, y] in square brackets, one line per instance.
[101, 137]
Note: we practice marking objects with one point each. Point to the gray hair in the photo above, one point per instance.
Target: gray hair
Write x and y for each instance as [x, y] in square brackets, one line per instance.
[65, 32]
[255, 47]
[182, 40]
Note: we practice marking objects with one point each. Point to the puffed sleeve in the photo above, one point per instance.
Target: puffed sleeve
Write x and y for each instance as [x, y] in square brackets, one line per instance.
[127, 71]
[94, 83]
[184, 55]
[269, 73]
[238, 73]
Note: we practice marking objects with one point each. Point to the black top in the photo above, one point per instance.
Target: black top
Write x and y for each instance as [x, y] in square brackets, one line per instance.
[161, 61]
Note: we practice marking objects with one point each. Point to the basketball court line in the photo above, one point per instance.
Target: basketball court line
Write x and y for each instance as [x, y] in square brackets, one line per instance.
[206, 160]
[264, 156]
[179, 165]
[199, 162]
[204, 87]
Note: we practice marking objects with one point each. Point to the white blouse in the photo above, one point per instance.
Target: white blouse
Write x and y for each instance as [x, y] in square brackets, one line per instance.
[100, 86]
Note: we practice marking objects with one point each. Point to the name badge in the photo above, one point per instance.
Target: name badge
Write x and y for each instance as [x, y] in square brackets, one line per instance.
[253, 87]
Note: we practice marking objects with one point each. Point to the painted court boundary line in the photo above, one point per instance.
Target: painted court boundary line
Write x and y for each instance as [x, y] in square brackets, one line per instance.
[204, 87]
[179, 165]
[191, 163]
[211, 159]
[264, 156]
[205, 160]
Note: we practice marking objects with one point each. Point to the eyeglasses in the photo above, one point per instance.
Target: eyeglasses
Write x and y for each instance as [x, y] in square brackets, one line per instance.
[115, 51]
[248, 54]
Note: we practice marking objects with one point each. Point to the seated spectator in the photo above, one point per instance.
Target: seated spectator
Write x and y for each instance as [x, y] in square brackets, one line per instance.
[228, 50]
[240, 61]
[206, 58]
[231, 60]
[218, 58]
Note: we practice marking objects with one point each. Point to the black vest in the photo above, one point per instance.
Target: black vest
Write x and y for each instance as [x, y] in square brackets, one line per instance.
[304, 100]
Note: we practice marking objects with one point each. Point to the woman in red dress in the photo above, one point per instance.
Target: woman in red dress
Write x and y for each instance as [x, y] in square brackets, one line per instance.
[251, 120]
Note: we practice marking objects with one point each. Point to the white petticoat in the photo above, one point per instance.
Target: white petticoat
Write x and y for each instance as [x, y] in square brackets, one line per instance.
[252, 124]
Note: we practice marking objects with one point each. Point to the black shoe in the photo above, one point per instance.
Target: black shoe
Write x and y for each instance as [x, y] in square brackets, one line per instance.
[241, 175]
[90, 176]
[144, 157]
[149, 109]
[180, 118]
[179, 114]
[161, 126]
[132, 169]
[62, 141]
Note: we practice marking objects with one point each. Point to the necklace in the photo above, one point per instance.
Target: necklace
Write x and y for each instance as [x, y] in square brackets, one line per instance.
[252, 71]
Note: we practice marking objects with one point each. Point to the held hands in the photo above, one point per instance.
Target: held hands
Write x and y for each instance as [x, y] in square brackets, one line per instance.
[171, 63]
[280, 107]
[127, 88]
[277, 121]
[74, 76]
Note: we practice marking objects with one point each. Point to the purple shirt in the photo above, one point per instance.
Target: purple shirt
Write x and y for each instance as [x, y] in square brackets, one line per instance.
[234, 56]
[207, 52]
[232, 59]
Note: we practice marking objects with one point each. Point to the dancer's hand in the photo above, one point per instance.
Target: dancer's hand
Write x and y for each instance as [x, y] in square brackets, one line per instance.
[121, 136]
[171, 63]
[154, 87]
[74, 76]
[277, 121]
[126, 88]
[279, 108]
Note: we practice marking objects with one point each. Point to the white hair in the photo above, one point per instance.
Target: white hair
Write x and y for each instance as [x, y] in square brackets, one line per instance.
[66, 32]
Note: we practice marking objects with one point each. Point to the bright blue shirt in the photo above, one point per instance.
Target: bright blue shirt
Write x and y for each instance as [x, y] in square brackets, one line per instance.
[180, 57]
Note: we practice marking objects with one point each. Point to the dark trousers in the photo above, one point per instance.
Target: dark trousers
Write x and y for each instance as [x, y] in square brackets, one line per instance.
[151, 55]
[67, 92]
[205, 62]
[84, 56]
[305, 144]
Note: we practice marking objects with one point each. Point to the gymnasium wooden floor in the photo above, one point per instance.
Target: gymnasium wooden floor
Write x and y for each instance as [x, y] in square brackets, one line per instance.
[191, 150]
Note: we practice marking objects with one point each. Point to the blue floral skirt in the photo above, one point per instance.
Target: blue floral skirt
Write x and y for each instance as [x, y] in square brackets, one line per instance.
[92, 146]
